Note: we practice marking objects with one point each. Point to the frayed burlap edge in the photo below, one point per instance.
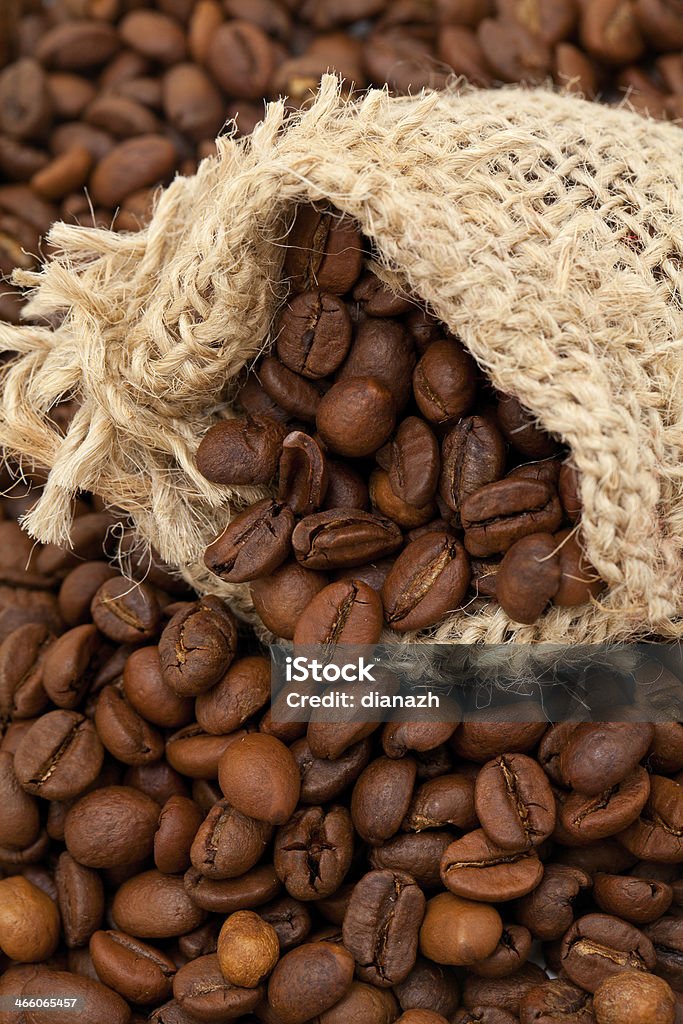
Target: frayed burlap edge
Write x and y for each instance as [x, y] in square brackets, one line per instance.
[545, 231]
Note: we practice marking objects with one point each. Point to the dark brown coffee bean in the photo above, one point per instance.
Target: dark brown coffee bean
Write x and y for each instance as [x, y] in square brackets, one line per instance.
[548, 911]
[313, 851]
[385, 501]
[505, 994]
[658, 833]
[79, 588]
[191, 102]
[225, 896]
[243, 691]
[80, 895]
[476, 868]
[514, 802]
[529, 577]
[201, 941]
[77, 45]
[260, 777]
[512, 52]
[598, 946]
[554, 1001]
[302, 474]
[98, 1002]
[610, 32]
[179, 821]
[228, 844]
[376, 299]
[201, 990]
[155, 906]
[254, 544]
[150, 695]
[241, 58]
[381, 798]
[419, 855]
[20, 818]
[445, 800]
[137, 971]
[510, 954]
[666, 936]
[322, 780]
[154, 35]
[308, 980]
[125, 611]
[110, 827]
[297, 396]
[197, 646]
[412, 461]
[444, 382]
[22, 660]
[638, 900]
[400, 737]
[579, 581]
[195, 753]
[429, 986]
[428, 579]
[59, 756]
[343, 537]
[382, 924]
[323, 251]
[290, 920]
[158, 780]
[125, 733]
[314, 334]
[587, 818]
[374, 574]
[25, 104]
[345, 487]
[280, 598]
[598, 756]
[503, 512]
[520, 430]
[130, 166]
[479, 741]
[473, 454]
[244, 450]
[356, 416]
[382, 350]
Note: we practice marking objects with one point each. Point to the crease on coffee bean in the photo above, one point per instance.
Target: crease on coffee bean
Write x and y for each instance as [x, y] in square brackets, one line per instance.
[146, 953]
[51, 764]
[418, 587]
[623, 958]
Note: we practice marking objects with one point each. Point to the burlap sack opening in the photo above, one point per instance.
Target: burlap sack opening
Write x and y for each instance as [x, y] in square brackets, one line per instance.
[545, 231]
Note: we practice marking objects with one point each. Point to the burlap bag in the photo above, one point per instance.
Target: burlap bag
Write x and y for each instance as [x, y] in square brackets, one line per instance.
[545, 231]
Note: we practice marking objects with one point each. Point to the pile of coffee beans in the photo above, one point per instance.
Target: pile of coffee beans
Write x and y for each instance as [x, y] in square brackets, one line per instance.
[116, 96]
[406, 487]
[171, 853]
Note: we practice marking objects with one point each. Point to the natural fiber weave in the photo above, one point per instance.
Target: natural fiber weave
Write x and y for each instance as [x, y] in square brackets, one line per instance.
[545, 231]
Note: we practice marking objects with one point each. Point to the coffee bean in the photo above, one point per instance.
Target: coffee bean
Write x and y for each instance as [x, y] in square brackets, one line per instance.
[313, 852]
[243, 691]
[638, 900]
[259, 776]
[427, 579]
[244, 450]
[419, 855]
[197, 646]
[385, 501]
[22, 660]
[241, 58]
[228, 843]
[500, 513]
[323, 251]
[20, 821]
[477, 868]
[149, 694]
[155, 906]
[356, 416]
[303, 474]
[548, 911]
[196, 753]
[459, 931]
[599, 946]
[473, 454]
[444, 382]
[125, 611]
[225, 896]
[309, 980]
[609, 31]
[314, 334]
[97, 1001]
[25, 106]
[556, 999]
[513, 52]
[29, 921]
[70, 664]
[658, 833]
[520, 430]
[510, 954]
[280, 598]
[78, 589]
[514, 802]
[376, 299]
[254, 544]
[137, 971]
[248, 949]
[80, 896]
[59, 756]
[666, 935]
[644, 998]
[77, 45]
[383, 351]
[586, 818]
[445, 800]
[599, 756]
[343, 537]
[505, 994]
[111, 827]
[579, 581]
[132, 165]
[381, 798]
[297, 396]
[179, 822]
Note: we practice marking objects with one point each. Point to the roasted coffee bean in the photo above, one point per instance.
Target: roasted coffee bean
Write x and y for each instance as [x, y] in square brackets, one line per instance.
[376, 299]
[313, 851]
[297, 396]
[137, 971]
[598, 756]
[429, 986]
[500, 513]
[476, 868]
[324, 780]
[485, 1015]
[125, 611]
[412, 461]
[479, 741]
[381, 926]
[29, 921]
[248, 949]
[503, 993]
[323, 251]
[458, 931]
[97, 1001]
[514, 802]
[419, 855]
[78, 589]
[610, 32]
[150, 695]
[473, 454]
[314, 334]
[585, 819]
[400, 737]
[254, 544]
[658, 833]
[225, 896]
[179, 822]
[383, 351]
[125, 733]
[59, 756]
[666, 936]
[280, 597]
[227, 843]
[381, 798]
[241, 693]
[241, 58]
[22, 660]
[445, 382]
[309, 980]
[638, 900]
[201, 990]
[510, 954]
[520, 430]
[195, 753]
[446, 800]
[356, 416]
[347, 611]
[303, 474]
[598, 946]
[548, 911]
[244, 450]
[111, 827]
[155, 906]
[343, 537]
[362, 1003]
[290, 920]
[260, 777]
[197, 646]
[644, 998]
[70, 663]
[579, 581]
[385, 501]
[556, 1000]
[428, 578]
[131, 165]
[20, 819]
[529, 577]
[80, 896]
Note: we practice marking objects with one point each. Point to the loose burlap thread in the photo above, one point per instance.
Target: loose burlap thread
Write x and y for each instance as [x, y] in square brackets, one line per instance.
[546, 232]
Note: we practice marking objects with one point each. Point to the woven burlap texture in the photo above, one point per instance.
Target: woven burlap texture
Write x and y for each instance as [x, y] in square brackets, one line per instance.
[545, 231]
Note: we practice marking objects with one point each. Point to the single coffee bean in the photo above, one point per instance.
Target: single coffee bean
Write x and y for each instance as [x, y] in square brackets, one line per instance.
[598, 756]
[548, 911]
[323, 250]
[381, 798]
[428, 579]
[445, 382]
[610, 32]
[478, 869]
[241, 58]
[382, 350]
[388, 504]
[290, 919]
[638, 998]
[381, 926]
[500, 513]
[125, 733]
[356, 416]
[255, 543]
[400, 737]
[429, 986]
[297, 396]
[197, 646]
[199, 942]
[666, 936]
[29, 921]
[226, 895]
[131, 165]
[445, 800]
[658, 833]
[148, 692]
[473, 455]
[280, 598]
[97, 1002]
[313, 851]
[70, 664]
[195, 753]
[125, 611]
[587, 818]
[228, 843]
[260, 777]
[598, 946]
[137, 971]
[80, 896]
[22, 660]
[505, 994]
[343, 537]
[556, 1000]
[323, 781]
[412, 461]
[529, 577]
[25, 101]
[308, 980]
[59, 756]
[514, 802]
[201, 990]
[459, 931]
[248, 949]
[419, 855]
[191, 102]
[242, 692]
[244, 450]
[638, 900]
[155, 906]
[111, 827]
[78, 589]
[303, 474]
[376, 299]
[578, 579]
[511, 953]
[362, 1003]
[314, 334]
[178, 824]
[520, 430]
[346, 488]
[20, 818]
